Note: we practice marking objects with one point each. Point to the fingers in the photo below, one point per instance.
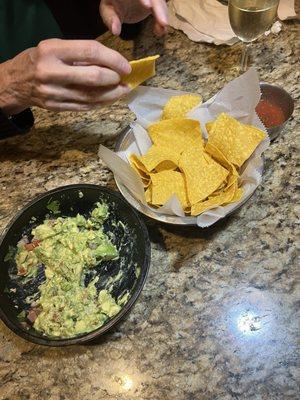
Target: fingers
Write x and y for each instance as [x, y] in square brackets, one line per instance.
[92, 76]
[87, 98]
[60, 107]
[146, 3]
[87, 51]
[84, 73]
[96, 96]
[110, 17]
[159, 10]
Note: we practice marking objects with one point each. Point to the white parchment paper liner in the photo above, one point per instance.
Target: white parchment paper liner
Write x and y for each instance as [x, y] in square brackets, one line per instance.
[238, 98]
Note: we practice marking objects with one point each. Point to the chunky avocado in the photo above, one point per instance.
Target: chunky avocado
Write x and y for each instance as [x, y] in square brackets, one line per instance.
[68, 248]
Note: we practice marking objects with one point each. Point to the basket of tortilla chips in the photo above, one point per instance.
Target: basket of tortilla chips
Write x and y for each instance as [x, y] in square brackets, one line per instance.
[184, 162]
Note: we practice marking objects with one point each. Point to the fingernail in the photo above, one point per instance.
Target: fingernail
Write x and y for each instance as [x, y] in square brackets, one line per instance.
[147, 3]
[116, 28]
[126, 68]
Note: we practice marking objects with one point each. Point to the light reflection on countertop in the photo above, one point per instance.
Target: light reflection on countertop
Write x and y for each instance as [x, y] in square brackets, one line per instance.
[248, 323]
[127, 383]
[124, 383]
[251, 317]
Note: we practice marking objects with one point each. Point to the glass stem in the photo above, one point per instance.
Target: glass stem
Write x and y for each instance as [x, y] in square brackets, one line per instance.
[245, 57]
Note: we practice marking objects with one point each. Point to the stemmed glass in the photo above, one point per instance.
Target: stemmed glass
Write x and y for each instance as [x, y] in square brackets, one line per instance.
[249, 19]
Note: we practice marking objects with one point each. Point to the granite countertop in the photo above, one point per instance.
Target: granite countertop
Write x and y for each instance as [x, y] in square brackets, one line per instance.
[217, 318]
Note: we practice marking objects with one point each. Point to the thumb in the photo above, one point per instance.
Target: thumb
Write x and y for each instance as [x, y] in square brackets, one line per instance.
[110, 18]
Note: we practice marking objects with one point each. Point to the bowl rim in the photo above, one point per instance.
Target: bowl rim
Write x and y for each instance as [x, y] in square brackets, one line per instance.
[125, 309]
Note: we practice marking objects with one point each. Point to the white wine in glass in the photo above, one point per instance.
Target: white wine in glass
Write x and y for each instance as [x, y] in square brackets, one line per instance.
[249, 19]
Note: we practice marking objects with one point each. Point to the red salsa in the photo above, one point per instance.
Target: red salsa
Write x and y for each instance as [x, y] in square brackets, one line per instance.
[270, 114]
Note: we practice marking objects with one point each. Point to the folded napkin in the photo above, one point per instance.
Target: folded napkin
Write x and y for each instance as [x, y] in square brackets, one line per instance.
[208, 21]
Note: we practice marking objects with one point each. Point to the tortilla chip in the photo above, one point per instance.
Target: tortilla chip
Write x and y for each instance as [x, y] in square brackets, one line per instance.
[167, 183]
[140, 170]
[157, 155]
[177, 134]
[148, 194]
[209, 126]
[224, 197]
[134, 159]
[165, 166]
[179, 106]
[238, 195]
[217, 155]
[203, 175]
[235, 140]
[141, 71]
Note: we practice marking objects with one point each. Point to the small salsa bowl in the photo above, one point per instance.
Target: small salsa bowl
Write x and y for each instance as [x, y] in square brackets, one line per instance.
[279, 98]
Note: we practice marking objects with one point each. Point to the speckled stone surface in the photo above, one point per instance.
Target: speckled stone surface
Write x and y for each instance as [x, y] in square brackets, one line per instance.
[217, 319]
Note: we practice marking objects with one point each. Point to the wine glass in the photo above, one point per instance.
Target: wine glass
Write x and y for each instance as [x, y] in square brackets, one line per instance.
[249, 19]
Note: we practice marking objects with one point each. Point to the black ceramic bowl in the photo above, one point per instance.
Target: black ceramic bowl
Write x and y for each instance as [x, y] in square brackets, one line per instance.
[131, 240]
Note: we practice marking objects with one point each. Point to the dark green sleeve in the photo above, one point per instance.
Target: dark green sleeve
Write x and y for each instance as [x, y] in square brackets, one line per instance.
[23, 24]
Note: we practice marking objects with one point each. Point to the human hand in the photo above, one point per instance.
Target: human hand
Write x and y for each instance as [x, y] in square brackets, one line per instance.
[116, 12]
[62, 75]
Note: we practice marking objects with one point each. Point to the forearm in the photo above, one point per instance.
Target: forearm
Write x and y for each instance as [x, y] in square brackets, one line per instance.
[12, 86]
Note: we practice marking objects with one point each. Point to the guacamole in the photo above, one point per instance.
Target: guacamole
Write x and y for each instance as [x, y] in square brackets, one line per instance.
[68, 248]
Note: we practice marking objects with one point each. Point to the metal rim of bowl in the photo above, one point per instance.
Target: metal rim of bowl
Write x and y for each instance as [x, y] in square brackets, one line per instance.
[127, 307]
[274, 131]
[192, 221]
